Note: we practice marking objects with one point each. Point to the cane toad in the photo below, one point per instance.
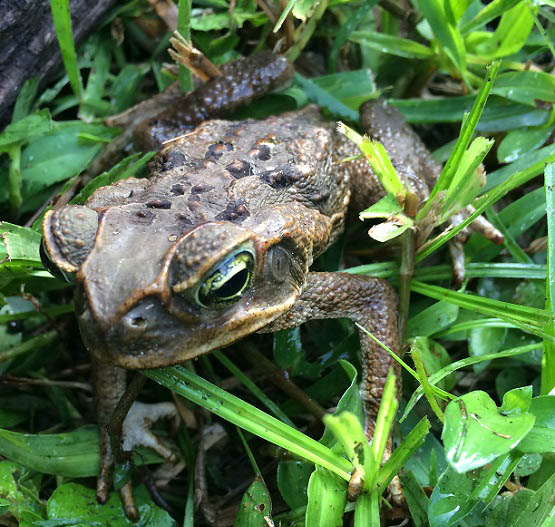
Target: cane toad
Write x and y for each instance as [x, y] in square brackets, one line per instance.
[218, 242]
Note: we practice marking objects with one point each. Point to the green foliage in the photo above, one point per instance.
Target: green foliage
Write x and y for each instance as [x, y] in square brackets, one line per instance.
[488, 67]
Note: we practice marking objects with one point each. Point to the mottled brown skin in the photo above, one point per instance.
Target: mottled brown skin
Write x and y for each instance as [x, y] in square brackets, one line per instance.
[276, 187]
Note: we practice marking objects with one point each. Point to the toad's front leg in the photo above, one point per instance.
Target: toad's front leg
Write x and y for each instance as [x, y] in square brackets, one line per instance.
[369, 301]
[109, 383]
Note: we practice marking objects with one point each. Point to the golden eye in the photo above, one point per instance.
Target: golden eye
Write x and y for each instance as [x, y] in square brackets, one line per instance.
[228, 282]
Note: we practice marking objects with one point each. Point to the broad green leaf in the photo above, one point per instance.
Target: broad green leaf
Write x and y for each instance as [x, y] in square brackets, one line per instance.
[457, 495]
[125, 87]
[217, 21]
[256, 506]
[542, 436]
[431, 320]
[526, 87]
[322, 98]
[60, 154]
[326, 499]
[385, 207]
[476, 432]
[72, 501]
[288, 349]
[25, 129]
[534, 508]
[349, 402]
[20, 243]
[522, 141]
[387, 230]
[484, 340]
[449, 502]
[529, 464]
[292, 480]
[303, 9]
[352, 88]
[516, 401]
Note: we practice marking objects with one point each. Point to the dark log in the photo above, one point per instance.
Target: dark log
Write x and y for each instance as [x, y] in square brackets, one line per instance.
[28, 44]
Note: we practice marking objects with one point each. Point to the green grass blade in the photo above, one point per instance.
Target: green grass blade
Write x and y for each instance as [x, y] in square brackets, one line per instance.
[62, 23]
[467, 130]
[529, 319]
[184, 29]
[446, 32]
[489, 12]
[254, 389]
[401, 47]
[246, 416]
[463, 363]
[481, 204]
[548, 360]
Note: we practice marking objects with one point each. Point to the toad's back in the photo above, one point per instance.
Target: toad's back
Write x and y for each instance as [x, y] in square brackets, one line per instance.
[238, 171]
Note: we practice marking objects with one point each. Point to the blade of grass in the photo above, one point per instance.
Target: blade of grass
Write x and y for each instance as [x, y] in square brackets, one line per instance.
[183, 27]
[530, 319]
[463, 363]
[481, 204]
[416, 354]
[445, 272]
[467, 130]
[232, 409]
[64, 34]
[548, 359]
[255, 390]
[489, 12]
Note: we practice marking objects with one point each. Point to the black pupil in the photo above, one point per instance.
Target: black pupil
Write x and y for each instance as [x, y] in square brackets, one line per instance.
[233, 285]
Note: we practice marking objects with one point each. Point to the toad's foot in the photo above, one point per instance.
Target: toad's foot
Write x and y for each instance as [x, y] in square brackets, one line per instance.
[138, 423]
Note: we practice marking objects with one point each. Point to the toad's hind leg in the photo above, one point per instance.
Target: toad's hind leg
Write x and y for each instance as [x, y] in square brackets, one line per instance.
[369, 301]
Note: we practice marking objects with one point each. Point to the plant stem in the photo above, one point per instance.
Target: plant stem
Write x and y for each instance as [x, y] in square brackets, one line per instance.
[406, 272]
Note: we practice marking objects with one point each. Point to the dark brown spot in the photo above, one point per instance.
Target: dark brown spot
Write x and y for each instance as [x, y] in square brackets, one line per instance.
[183, 219]
[170, 159]
[178, 189]
[236, 211]
[240, 168]
[217, 150]
[261, 152]
[144, 217]
[200, 188]
[159, 204]
[280, 177]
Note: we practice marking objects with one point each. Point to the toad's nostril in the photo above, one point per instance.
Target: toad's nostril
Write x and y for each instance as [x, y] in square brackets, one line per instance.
[138, 322]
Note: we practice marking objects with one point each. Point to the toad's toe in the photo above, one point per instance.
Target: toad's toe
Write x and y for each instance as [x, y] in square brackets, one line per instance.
[137, 424]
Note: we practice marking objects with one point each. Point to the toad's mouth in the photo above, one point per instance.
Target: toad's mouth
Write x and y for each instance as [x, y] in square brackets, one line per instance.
[148, 336]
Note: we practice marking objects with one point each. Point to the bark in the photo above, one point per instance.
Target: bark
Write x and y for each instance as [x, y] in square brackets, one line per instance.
[28, 44]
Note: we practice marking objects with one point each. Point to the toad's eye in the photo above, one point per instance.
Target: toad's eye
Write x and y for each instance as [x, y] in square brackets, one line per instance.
[228, 282]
